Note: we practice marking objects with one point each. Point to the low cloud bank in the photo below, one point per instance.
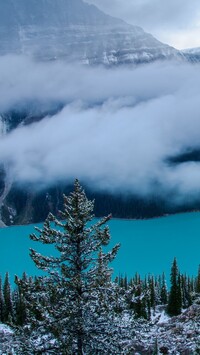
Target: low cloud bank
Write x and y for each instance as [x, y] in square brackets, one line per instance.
[117, 130]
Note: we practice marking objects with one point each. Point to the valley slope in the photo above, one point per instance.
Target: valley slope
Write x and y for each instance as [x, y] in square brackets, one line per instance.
[71, 31]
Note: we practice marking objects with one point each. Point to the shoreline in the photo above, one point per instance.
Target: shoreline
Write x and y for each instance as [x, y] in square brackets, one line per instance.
[156, 217]
[2, 225]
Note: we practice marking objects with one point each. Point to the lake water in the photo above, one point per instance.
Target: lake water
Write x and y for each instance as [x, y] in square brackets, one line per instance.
[147, 246]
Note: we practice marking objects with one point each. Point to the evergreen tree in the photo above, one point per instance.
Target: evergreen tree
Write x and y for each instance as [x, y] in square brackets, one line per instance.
[197, 288]
[186, 291]
[141, 302]
[2, 305]
[73, 305]
[174, 302]
[126, 282]
[163, 292]
[8, 305]
[151, 283]
[157, 290]
[19, 303]
[192, 285]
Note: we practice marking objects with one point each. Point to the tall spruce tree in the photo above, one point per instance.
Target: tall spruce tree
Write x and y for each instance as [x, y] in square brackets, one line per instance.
[151, 282]
[141, 301]
[1, 302]
[19, 304]
[185, 291]
[197, 288]
[8, 304]
[73, 305]
[163, 292]
[175, 299]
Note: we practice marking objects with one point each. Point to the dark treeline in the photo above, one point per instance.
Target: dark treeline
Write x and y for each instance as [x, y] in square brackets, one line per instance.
[32, 206]
[141, 295]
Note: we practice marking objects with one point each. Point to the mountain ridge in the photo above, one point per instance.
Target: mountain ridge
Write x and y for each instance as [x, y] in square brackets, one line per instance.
[70, 30]
[192, 54]
[75, 31]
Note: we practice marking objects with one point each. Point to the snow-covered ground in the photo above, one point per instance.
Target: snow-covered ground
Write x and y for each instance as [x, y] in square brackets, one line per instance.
[177, 335]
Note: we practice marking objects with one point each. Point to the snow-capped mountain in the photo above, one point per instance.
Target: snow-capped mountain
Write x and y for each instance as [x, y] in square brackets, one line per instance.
[76, 31]
[192, 54]
[70, 30]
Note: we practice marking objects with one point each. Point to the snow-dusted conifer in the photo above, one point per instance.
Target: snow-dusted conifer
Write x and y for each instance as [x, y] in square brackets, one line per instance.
[197, 288]
[175, 299]
[163, 291]
[185, 292]
[8, 305]
[19, 304]
[151, 282]
[140, 301]
[1, 302]
[73, 306]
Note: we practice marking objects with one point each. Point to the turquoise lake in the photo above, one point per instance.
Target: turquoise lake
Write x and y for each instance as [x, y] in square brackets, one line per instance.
[147, 246]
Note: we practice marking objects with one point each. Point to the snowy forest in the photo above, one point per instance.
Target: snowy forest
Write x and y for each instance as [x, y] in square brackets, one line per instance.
[78, 308]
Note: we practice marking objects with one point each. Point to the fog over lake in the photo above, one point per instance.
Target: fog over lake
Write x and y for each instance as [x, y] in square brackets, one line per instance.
[116, 129]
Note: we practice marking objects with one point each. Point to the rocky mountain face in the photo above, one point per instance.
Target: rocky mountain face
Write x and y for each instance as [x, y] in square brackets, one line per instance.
[192, 55]
[73, 30]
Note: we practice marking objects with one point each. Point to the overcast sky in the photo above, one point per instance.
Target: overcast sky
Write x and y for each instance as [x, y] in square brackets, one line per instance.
[176, 22]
